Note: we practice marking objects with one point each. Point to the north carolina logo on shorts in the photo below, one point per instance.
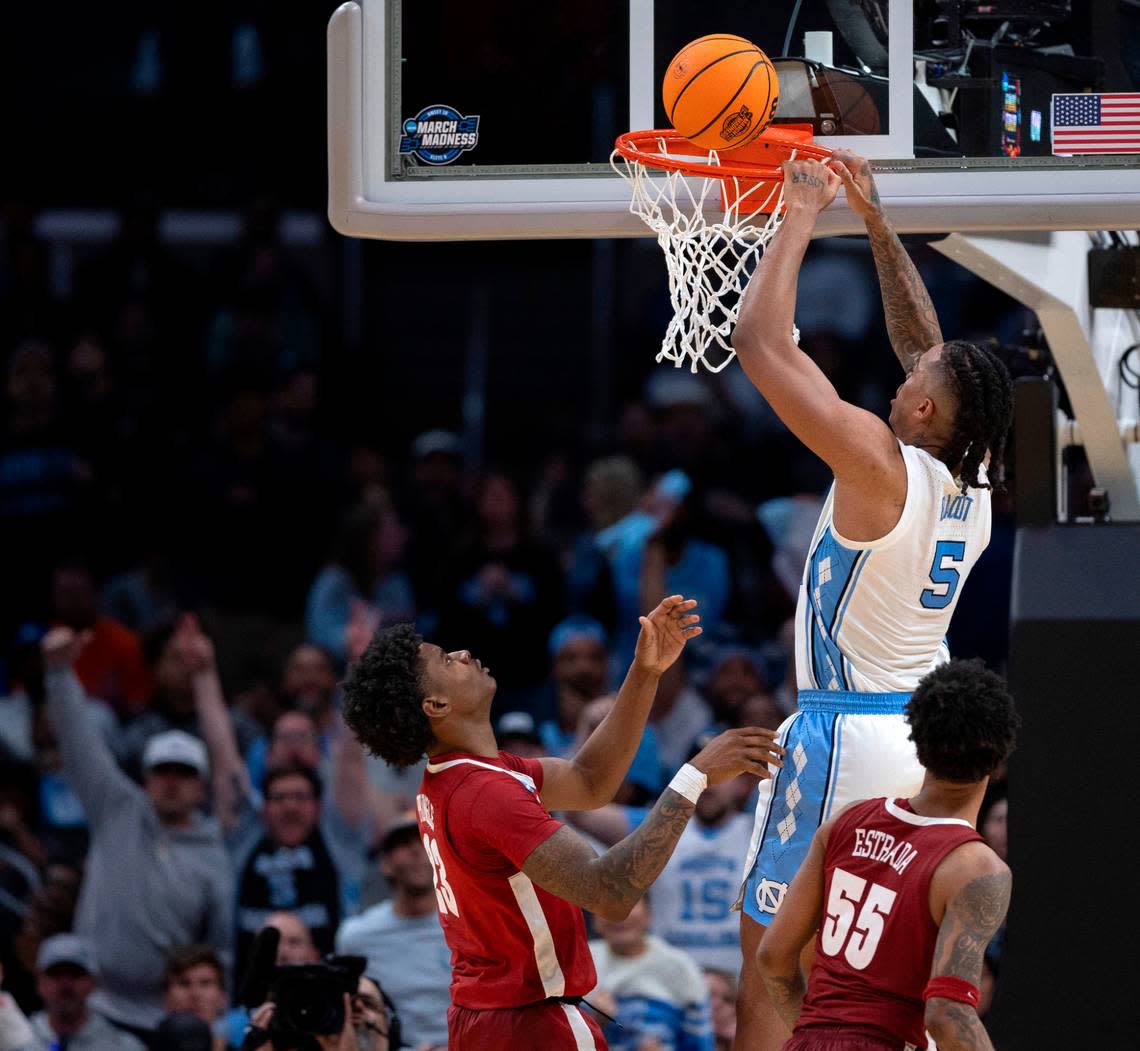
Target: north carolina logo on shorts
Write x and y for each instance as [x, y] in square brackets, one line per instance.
[770, 895]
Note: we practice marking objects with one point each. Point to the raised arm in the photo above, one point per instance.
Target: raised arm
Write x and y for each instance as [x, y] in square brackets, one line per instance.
[911, 321]
[87, 760]
[856, 445]
[611, 884]
[593, 776]
[228, 775]
[976, 884]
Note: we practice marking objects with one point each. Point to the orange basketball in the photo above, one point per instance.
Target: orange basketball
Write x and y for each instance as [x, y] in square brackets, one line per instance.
[720, 91]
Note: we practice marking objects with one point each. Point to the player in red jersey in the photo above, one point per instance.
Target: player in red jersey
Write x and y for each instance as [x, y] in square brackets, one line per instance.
[904, 893]
[509, 878]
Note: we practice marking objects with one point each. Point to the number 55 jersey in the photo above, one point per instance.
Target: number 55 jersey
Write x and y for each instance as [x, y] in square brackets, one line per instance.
[512, 943]
[876, 938]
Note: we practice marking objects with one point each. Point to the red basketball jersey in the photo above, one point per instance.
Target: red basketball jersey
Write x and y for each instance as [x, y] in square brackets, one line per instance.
[876, 939]
[512, 943]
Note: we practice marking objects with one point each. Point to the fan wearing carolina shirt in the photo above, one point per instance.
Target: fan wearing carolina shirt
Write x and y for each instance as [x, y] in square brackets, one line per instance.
[902, 896]
[510, 880]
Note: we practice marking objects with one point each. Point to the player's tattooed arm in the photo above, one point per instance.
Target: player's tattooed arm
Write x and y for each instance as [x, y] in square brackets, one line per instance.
[972, 918]
[787, 995]
[611, 884]
[911, 320]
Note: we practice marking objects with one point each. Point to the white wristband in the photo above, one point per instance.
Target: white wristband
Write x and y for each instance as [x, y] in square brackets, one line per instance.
[689, 782]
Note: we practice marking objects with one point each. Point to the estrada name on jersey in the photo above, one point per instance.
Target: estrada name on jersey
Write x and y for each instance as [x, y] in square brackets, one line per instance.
[876, 939]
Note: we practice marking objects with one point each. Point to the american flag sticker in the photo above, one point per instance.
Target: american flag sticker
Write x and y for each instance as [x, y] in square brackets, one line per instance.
[1096, 124]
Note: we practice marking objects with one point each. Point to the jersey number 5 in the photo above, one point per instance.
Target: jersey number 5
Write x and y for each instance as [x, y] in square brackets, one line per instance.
[444, 895]
[943, 574]
[858, 938]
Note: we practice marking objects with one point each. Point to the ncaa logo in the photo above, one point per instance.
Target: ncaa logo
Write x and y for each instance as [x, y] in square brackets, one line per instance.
[439, 134]
[770, 895]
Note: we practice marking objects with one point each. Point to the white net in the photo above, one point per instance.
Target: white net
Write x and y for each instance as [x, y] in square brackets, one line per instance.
[709, 261]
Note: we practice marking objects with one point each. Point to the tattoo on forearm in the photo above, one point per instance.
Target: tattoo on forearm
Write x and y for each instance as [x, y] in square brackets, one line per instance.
[565, 864]
[962, 1030]
[811, 180]
[911, 321]
[970, 922]
[787, 995]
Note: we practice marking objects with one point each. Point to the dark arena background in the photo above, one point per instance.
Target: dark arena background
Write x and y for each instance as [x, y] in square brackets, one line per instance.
[235, 441]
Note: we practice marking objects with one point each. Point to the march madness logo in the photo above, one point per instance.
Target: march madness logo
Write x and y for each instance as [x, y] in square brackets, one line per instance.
[439, 134]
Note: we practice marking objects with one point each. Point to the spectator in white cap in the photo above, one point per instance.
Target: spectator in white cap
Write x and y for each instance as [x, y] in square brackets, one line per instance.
[157, 873]
[66, 976]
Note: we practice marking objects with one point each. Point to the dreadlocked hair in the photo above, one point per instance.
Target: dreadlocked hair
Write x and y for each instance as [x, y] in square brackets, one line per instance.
[383, 698]
[985, 412]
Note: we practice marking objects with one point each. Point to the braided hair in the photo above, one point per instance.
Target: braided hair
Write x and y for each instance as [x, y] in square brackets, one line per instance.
[985, 412]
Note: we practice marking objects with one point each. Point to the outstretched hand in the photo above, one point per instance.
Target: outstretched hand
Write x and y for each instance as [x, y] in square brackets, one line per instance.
[664, 633]
[193, 645]
[855, 171]
[61, 646]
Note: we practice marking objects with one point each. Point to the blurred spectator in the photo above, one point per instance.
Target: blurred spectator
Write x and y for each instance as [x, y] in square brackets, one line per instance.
[579, 674]
[994, 823]
[51, 911]
[173, 657]
[368, 568]
[734, 679]
[290, 853]
[402, 938]
[653, 551]
[516, 733]
[610, 491]
[15, 1032]
[646, 775]
[371, 1019]
[143, 597]
[679, 715]
[722, 1007]
[157, 874]
[296, 944]
[22, 856]
[501, 592]
[659, 990]
[195, 983]
[111, 665]
[66, 976]
[438, 511]
[43, 482]
[292, 859]
[761, 710]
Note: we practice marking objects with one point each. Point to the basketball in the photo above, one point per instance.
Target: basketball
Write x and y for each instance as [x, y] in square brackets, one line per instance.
[720, 91]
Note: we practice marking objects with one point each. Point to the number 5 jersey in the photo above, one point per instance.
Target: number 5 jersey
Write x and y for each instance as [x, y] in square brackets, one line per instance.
[877, 937]
[512, 943]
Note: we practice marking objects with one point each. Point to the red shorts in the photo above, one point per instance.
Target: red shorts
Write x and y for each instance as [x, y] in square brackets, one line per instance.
[548, 1025]
[844, 1038]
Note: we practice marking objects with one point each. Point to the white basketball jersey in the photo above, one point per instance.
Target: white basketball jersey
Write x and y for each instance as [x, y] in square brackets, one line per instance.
[872, 616]
[692, 898]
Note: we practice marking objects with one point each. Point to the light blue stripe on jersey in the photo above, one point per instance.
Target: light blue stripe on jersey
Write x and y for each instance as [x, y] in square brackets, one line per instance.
[832, 572]
[849, 702]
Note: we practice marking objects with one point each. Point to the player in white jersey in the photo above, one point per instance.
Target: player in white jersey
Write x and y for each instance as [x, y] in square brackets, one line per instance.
[906, 519]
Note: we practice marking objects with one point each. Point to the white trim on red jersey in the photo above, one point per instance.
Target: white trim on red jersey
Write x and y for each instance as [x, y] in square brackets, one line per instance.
[524, 779]
[545, 955]
[917, 819]
[583, 1037]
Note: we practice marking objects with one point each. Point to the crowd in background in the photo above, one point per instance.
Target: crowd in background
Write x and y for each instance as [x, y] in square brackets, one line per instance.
[201, 524]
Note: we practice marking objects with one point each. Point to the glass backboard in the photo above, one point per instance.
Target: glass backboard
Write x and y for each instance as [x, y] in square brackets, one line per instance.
[496, 120]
